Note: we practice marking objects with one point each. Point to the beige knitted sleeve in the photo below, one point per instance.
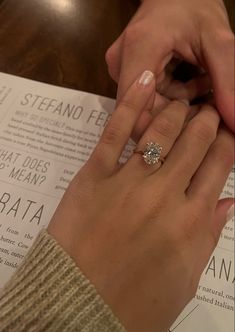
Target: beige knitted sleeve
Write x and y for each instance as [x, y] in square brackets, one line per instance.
[49, 293]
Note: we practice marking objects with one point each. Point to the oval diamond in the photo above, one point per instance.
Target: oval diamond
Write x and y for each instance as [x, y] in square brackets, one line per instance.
[152, 153]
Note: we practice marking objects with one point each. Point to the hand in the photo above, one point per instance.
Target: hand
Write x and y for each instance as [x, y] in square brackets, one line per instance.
[143, 234]
[197, 31]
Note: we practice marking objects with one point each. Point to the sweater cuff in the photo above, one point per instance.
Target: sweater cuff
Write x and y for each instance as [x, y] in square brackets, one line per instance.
[49, 293]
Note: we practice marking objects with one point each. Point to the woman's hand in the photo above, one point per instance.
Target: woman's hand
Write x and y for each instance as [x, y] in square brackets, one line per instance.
[143, 234]
[197, 31]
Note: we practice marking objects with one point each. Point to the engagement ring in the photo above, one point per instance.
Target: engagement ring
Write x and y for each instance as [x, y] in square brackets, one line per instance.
[151, 153]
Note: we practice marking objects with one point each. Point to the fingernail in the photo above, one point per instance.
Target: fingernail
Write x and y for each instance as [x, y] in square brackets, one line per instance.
[230, 213]
[146, 78]
[185, 101]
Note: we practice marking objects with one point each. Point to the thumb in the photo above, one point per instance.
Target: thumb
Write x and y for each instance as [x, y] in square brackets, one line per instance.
[224, 213]
[218, 55]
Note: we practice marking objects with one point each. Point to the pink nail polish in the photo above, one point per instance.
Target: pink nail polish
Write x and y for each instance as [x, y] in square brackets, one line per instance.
[146, 78]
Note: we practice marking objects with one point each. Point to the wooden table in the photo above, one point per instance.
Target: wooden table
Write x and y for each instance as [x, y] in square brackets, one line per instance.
[63, 42]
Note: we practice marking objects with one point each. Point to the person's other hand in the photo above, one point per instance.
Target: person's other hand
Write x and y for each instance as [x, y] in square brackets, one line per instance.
[197, 31]
[144, 233]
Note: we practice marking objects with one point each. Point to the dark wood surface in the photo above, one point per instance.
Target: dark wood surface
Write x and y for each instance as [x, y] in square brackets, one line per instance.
[63, 42]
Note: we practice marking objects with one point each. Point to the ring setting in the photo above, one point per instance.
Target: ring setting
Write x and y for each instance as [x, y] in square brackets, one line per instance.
[152, 153]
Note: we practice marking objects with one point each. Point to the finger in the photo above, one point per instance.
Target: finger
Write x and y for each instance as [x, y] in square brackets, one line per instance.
[158, 103]
[164, 130]
[139, 53]
[194, 110]
[141, 125]
[191, 147]
[218, 52]
[194, 88]
[120, 125]
[209, 180]
[176, 90]
[224, 213]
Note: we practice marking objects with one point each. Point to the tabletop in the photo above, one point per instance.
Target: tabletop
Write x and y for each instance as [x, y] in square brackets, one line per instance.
[63, 42]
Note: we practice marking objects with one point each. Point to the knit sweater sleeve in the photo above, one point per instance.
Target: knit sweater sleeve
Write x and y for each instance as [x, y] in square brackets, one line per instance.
[49, 293]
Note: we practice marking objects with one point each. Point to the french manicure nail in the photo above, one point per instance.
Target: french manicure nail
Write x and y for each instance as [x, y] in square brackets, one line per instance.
[230, 213]
[146, 78]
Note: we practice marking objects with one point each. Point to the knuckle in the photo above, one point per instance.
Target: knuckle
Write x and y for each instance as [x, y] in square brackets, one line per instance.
[221, 40]
[203, 131]
[112, 63]
[131, 34]
[225, 37]
[165, 126]
[111, 135]
[128, 106]
[110, 57]
[157, 200]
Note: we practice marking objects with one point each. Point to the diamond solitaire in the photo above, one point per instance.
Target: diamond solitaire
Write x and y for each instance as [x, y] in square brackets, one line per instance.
[152, 153]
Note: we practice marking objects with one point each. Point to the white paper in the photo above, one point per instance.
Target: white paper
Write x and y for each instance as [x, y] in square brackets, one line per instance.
[46, 134]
